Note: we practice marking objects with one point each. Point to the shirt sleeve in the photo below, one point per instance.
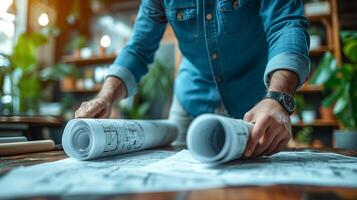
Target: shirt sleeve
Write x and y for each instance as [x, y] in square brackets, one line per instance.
[131, 64]
[285, 26]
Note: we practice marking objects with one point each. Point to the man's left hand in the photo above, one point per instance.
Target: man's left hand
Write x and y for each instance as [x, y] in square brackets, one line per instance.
[271, 131]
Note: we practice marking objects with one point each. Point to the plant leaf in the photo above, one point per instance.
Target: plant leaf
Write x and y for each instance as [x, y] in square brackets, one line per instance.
[350, 50]
[325, 70]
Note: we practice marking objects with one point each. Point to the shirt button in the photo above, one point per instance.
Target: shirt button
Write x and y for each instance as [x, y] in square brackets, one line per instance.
[209, 16]
[214, 56]
[235, 4]
[179, 16]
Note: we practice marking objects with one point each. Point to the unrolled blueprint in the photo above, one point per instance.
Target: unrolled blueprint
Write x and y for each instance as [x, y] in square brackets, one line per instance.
[300, 168]
[112, 175]
[152, 171]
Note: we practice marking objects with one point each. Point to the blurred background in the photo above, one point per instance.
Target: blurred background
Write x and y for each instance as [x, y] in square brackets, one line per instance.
[54, 54]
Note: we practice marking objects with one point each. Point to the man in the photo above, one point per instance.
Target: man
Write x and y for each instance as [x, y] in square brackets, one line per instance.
[234, 50]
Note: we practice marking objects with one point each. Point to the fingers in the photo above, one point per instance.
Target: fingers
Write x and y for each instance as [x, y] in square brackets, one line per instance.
[279, 143]
[257, 132]
[248, 117]
[267, 140]
[89, 109]
[280, 146]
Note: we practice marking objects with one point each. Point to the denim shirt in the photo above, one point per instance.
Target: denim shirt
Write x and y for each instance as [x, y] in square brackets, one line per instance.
[229, 47]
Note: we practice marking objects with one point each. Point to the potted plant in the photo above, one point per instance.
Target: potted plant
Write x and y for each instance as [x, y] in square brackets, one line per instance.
[315, 37]
[24, 69]
[341, 84]
[304, 137]
[295, 118]
[308, 114]
[65, 73]
[155, 91]
[326, 112]
[76, 45]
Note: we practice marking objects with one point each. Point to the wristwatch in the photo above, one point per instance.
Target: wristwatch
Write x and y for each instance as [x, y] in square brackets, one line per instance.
[285, 99]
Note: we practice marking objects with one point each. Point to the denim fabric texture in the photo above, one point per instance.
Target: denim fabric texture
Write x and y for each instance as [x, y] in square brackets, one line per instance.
[230, 49]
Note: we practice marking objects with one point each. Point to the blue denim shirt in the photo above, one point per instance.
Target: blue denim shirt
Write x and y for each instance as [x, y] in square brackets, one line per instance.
[230, 48]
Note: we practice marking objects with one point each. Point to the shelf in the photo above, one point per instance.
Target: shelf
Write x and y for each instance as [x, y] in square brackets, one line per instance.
[320, 51]
[315, 18]
[319, 123]
[48, 121]
[93, 90]
[309, 88]
[88, 61]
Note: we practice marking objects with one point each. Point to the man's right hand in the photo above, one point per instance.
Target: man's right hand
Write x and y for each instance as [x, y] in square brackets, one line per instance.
[100, 107]
[97, 108]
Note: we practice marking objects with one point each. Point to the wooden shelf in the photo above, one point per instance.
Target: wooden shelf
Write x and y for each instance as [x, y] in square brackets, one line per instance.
[309, 88]
[89, 61]
[48, 121]
[319, 123]
[319, 17]
[83, 91]
[320, 51]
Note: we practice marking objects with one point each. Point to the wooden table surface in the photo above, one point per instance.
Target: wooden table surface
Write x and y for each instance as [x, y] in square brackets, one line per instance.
[286, 192]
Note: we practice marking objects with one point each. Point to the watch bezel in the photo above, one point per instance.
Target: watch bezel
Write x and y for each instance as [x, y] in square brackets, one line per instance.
[288, 102]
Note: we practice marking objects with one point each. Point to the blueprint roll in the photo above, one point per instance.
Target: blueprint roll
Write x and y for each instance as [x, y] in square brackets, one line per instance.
[86, 139]
[216, 139]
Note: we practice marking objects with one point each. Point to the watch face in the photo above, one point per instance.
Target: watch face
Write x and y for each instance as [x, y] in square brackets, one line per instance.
[289, 103]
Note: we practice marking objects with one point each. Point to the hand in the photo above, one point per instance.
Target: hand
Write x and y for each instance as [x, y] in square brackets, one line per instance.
[100, 107]
[96, 108]
[272, 129]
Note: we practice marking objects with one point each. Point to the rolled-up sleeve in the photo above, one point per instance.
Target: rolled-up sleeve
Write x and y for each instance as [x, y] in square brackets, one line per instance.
[131, 63]
[286, 29]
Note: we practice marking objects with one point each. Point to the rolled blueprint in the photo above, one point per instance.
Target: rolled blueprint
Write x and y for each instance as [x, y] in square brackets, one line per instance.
[86, 139]
[215, 139]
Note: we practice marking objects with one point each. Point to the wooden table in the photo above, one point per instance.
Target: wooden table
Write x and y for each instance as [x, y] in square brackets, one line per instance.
[285, 192]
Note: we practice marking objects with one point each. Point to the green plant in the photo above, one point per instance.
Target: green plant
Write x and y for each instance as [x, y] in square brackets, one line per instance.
[77, 43]
[299, 102]
[340, 82]
[157, 84]
[305, 135]
[24, 55]
[58, 72]
[315, 31]
[136, 112]
[24, 59]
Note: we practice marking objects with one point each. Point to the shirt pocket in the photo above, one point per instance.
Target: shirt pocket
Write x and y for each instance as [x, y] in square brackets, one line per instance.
[236, 15]
[182, 17]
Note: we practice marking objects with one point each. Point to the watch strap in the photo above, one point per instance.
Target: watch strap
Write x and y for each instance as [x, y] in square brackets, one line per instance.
[278, 96]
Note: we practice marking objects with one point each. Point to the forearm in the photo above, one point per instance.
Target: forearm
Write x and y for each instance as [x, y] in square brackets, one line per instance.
[112, 89]
[284, 81]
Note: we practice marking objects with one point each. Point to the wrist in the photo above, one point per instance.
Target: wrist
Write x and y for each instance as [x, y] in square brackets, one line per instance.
[284, 99]
[113, 88]
[284, 81]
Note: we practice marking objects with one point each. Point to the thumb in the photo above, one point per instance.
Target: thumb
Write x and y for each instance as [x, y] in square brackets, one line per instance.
[249, 116]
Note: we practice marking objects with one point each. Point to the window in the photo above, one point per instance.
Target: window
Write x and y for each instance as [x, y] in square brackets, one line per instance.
[7, 27]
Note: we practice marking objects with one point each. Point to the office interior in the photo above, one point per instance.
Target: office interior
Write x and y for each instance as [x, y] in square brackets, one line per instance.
[55, 54]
